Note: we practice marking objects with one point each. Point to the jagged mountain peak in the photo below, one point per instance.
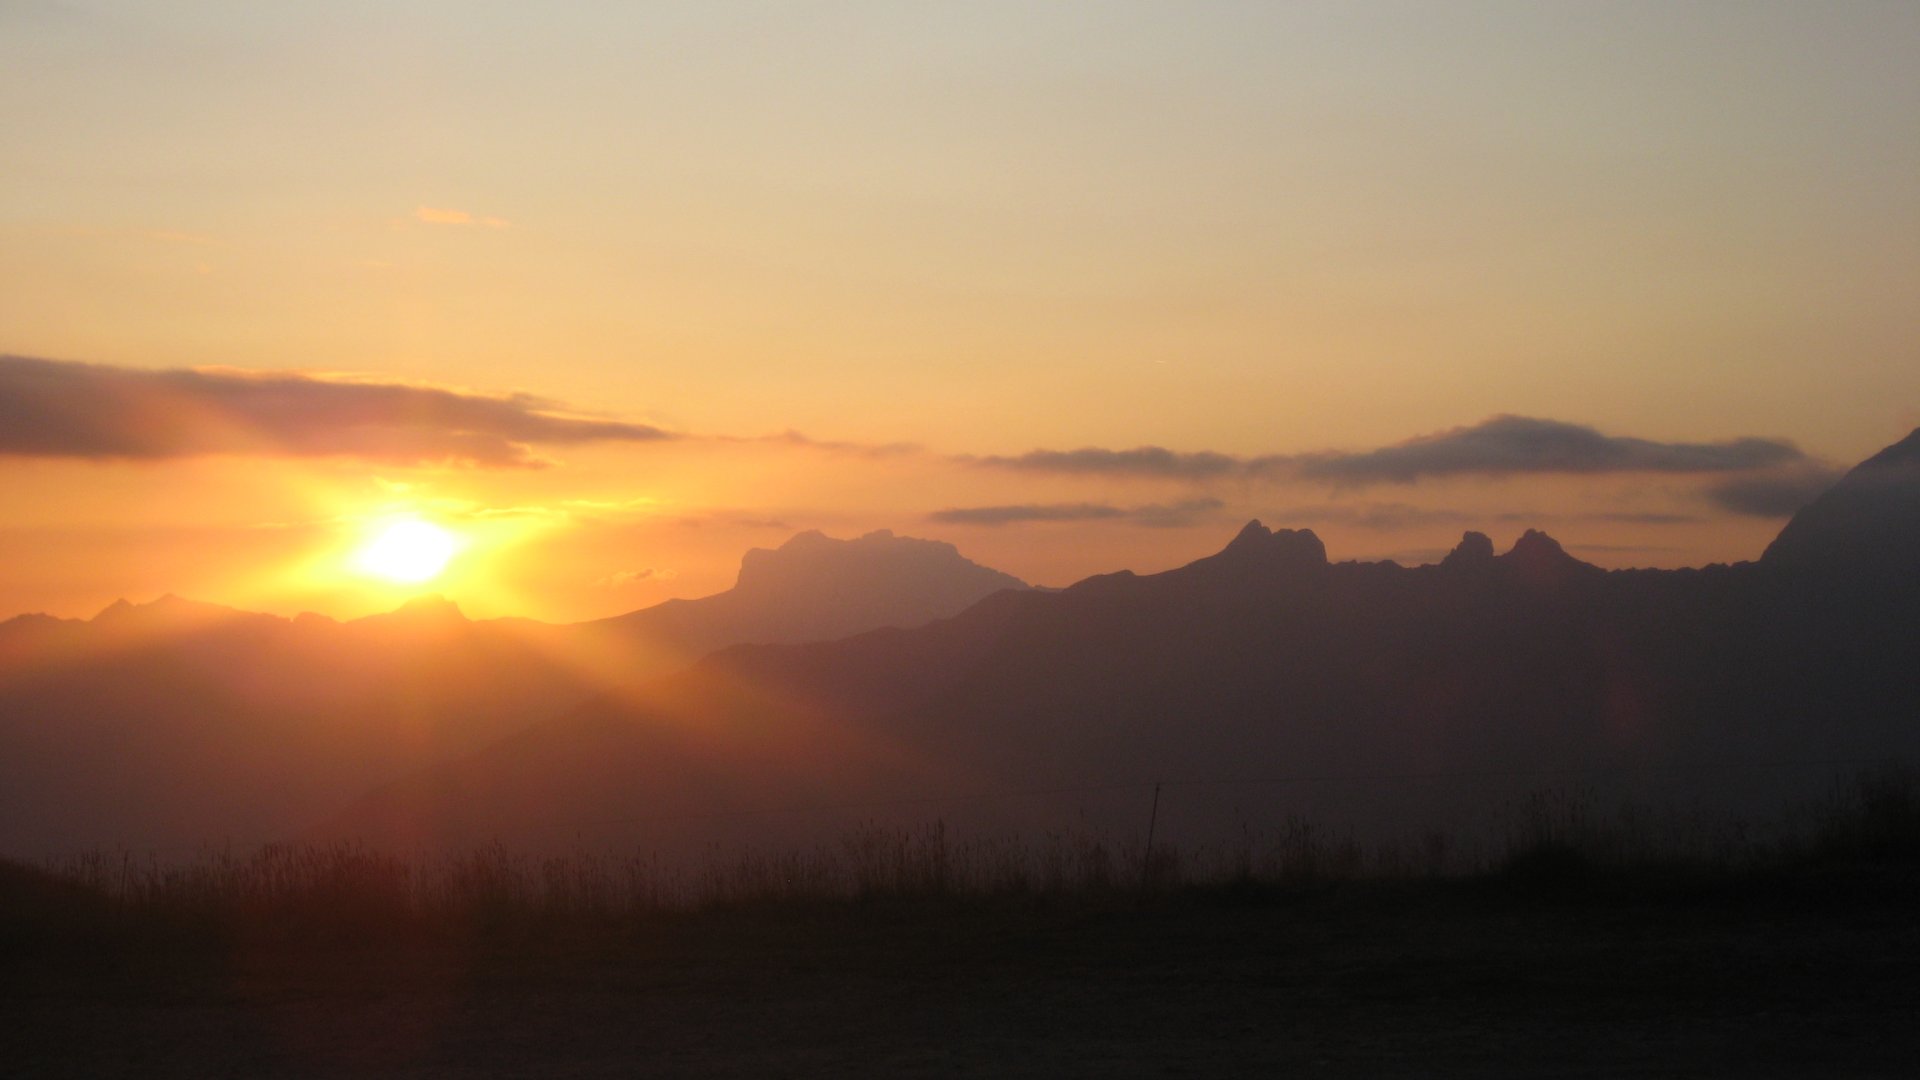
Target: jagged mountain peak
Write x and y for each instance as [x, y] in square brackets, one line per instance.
[1534, 544]
[1250, 535]
[1257, 542]
[1474, 549]
[1539, 558]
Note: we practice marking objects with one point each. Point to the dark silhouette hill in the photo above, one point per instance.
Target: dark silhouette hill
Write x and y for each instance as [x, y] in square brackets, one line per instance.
[1865, 528]
[1414, 695]
[176, 723]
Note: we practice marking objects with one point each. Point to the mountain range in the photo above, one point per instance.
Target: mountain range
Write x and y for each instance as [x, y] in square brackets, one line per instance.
[177, 723]
[888, 678]
[1266, 683]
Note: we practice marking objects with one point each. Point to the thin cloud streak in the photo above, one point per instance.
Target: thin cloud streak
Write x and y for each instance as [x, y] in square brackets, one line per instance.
[832, 446]
[1139, 461]
[1160, 516]
[55, 408]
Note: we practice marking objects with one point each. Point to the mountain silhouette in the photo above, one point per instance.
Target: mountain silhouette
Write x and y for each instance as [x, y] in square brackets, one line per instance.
[1865, 528]
[1473, 682]
[816, 588]
[175, 723]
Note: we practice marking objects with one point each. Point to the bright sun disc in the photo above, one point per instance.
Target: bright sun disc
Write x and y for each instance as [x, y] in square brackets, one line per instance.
[408, 552]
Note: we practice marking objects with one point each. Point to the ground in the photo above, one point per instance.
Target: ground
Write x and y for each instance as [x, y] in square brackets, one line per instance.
[1814, 978]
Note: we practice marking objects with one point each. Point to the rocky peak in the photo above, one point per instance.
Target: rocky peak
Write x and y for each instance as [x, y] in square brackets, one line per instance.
[1474, 549]
[1258, 546]
[1251, 536]
[1538, 559]
[1535, 546]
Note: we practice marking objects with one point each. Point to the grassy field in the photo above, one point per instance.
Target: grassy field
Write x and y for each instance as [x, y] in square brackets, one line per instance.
[1570, 953]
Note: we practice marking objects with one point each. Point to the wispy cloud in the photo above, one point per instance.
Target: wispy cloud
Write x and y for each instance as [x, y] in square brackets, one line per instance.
[1383, 516]
[436, 215]
[1395, 516]
[1173, 515]
[622, 578]
[54, 408]
[832, 446]
[1153, 461]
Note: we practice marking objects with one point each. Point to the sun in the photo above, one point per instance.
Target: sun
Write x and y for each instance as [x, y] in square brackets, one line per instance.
[407, 551]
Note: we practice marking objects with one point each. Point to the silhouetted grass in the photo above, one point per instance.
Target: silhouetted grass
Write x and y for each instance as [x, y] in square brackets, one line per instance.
[1554, 845]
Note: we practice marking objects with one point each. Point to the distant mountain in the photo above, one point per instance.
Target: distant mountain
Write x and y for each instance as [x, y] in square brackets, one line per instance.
[816, 588]
[1360, 694]
[175, 723]
[1865, 527]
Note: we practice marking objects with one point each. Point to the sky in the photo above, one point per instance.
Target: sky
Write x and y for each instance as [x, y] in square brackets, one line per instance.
[615, 291]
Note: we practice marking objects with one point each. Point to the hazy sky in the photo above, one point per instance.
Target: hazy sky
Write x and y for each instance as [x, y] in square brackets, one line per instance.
[1270, 239]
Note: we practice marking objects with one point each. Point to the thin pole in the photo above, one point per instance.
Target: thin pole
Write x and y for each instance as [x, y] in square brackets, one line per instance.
[1153, 820]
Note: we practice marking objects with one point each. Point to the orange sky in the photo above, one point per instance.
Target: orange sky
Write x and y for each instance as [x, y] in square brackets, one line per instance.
[929, 239]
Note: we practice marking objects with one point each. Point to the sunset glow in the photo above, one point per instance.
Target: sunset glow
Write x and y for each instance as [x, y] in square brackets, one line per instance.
[618, 292]
[525, 528]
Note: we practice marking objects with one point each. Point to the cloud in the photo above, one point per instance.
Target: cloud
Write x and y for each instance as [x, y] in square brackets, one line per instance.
[1775, 494]
[1139, 461]
[634, 577]
[1514, 445]
[1394, 516]
[54, 408]
[857, 449]
[1641, 518]
[433, 215]
[1500, 446]
[1158, 516]
[1384, 516]
[1026, 512]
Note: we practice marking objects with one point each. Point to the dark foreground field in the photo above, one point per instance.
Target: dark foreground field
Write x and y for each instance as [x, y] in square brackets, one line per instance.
[1813, 971]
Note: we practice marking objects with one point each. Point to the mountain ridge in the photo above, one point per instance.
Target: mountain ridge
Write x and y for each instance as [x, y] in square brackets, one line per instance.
[276, 718]
[1263, 657]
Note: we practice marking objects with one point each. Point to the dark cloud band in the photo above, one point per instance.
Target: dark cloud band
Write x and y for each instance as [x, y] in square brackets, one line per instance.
[52, 408]
[1501, 446]
[1515, 445]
